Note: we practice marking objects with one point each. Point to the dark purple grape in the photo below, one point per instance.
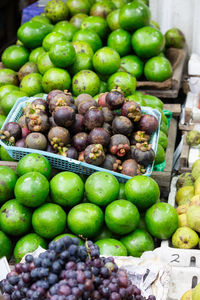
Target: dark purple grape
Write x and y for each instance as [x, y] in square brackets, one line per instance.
[29, 258]
[26, 277]
[56, 267]
[52, 278]
[104, 272]
[151, 297]
[64, 290]
[115, 296]
[76, 292]
[13, 280]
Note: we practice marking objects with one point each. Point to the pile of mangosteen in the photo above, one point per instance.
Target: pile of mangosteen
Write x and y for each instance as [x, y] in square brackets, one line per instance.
[111, 133]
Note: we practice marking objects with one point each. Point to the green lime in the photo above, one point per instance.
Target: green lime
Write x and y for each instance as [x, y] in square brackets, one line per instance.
[101, 188]
[161, 220]
[27, 68]
[158, 69]
[111, 247]
[122, 217]
[153, 101]
[35, 54]
[106, 61]
[86, 82]
[81, 242]
[4, 155]
[2, 120]
[113, 20]
[82, 62]
[163, 140]
[28, 244]
[101, 8]
[5, 89]
[14, 57]
[175, 38]
[89, 37]
[8, 101]
[56, 79]
[41, 19]
[56, 10]
[132, 64]
[160, 155]
[125, 81]
[103, 87]
[78, 6]
[134, 15]
[147, 42]
[121, 194]
[34, 162]
[119, 3]
[67, 29]
[51, 38]
[77, 19]
[5, 246]
[163, 128]
[32, 33]
[8, 179]
[104, 233]
[62, 54]
[31, 84]
[97, 24]
[8, 76]
[143, 191]
[85, 219]
[32, 189]
[120, 40]
[44, 63]
[83, 47]
[137, 242]
[66, 189]
[15, 219]
[49, 220]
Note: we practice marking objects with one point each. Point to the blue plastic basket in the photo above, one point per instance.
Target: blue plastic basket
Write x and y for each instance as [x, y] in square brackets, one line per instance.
[64, 163]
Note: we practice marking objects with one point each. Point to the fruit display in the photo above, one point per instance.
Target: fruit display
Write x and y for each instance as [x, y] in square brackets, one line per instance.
[86, 47]
[69, 271]
[121, 219]
[112, 133]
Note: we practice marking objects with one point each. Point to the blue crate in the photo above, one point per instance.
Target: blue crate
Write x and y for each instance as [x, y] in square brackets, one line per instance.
[64, 163]
[31, 11]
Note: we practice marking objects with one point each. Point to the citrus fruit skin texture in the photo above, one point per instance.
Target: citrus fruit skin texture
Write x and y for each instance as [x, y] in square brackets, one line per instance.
[83, 47]
[32, 189]
[32, 33]
[77, 20]
[113, 20]
[81, 242]
[137, 242]
[121, 194]
[52, 38]
[125, 81]
[56, 10]
[161, 220]
[14, 57]
[175, 38]
[44, 63]
[8, 179]
[66, 29]
[5, 89]
[78, 6]
[4, 155]
[2, 119]
[147, 42]
[8, 101]
[31, 84]
[15, 219]
[34, 162]
[158, 69]
[28, 244]
[85, 219]
[104, 233]
[87, 82]
[101, 188]
[5, 245]
[41, 19]
[89, 37]
[160, 155]
[82, 62]
[112, 247]
[120, 40]
[56, 79]
[122, 217]
[66, 189]
[8, 76]
[106, 61]
[35, 54]
[132, 64]
[62, 54]
[134, 15]
[49, 220]
[96, 24]
[142, 191]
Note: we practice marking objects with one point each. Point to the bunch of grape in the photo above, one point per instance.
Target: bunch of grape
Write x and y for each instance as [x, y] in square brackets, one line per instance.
[67, 271]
